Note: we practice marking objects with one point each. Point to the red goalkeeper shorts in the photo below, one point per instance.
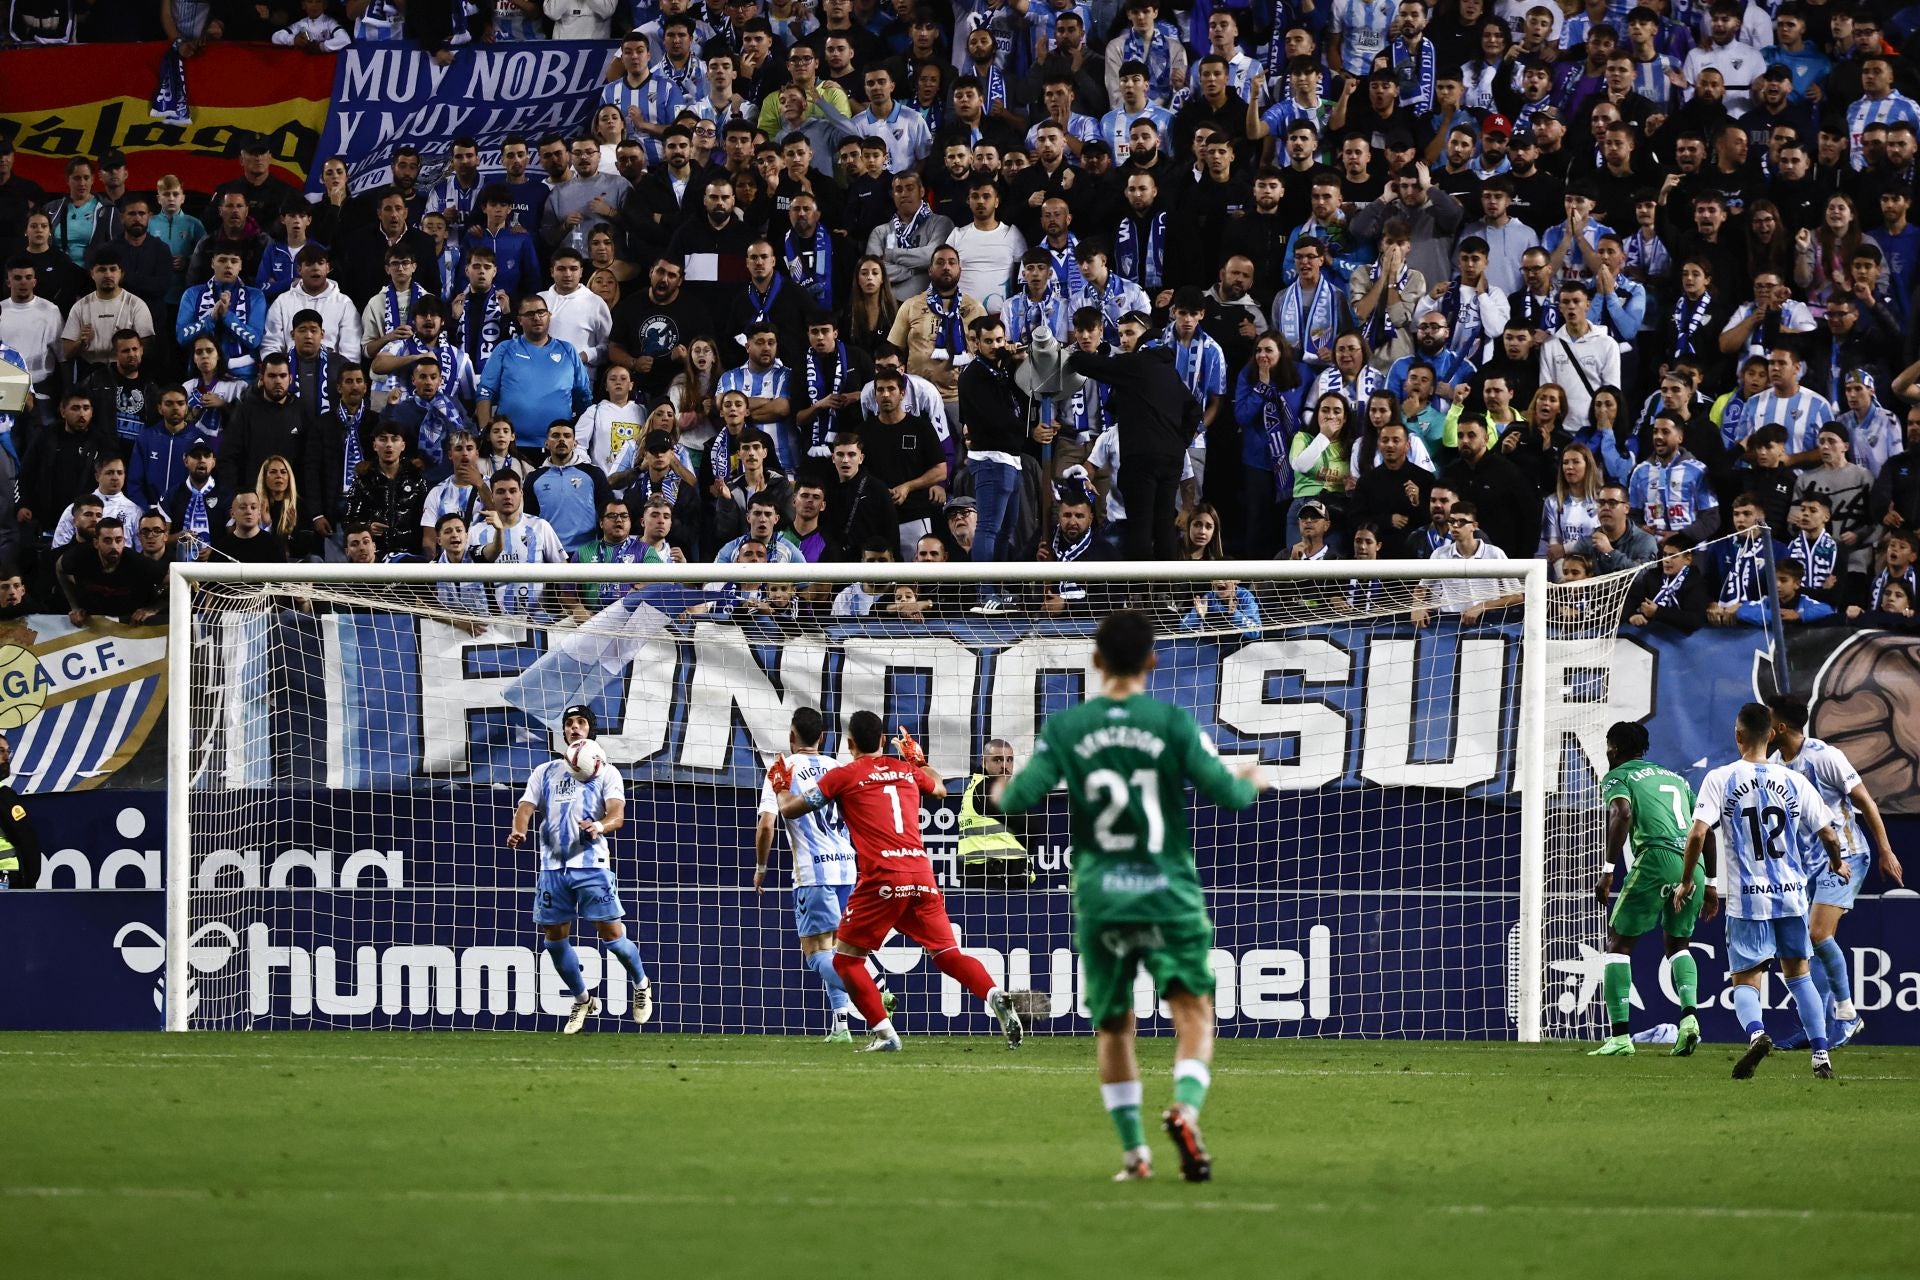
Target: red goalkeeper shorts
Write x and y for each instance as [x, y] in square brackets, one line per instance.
[914, 908]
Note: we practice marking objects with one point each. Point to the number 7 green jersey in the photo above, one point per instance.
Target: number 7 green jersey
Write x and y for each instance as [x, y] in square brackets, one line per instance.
[1662, 806]
[1126, 766]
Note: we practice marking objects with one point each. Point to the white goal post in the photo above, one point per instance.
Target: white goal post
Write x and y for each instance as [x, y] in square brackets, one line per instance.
[285, 739]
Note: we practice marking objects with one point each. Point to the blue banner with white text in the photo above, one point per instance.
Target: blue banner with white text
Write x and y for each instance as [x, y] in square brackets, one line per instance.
[389, 93]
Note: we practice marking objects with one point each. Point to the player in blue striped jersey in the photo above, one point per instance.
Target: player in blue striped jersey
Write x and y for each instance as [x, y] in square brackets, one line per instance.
[576, 867]
[1767, 818]
[823, 868]
[1838, 783]
[823, 863]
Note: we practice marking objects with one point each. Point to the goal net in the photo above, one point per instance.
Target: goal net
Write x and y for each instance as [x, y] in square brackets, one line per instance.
[349, 744]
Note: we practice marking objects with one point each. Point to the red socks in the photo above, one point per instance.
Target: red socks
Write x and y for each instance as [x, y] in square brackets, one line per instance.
[859, 984]
[965, 970]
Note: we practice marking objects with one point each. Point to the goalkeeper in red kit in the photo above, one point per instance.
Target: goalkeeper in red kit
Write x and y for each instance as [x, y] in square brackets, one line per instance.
[879, 799]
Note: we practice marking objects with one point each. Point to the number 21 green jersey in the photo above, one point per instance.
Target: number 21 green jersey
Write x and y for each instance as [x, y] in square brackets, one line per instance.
[1126, 766]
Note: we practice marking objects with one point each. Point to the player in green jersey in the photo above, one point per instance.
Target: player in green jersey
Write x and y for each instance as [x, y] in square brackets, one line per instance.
[1127, 759]
[1653, 807]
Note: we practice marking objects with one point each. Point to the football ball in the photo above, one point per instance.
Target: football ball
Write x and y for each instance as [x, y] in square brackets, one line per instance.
[584, 759]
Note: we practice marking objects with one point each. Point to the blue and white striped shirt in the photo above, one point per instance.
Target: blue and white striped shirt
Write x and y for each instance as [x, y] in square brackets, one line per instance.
[767, 384]
[657, 99]
[1364, 27]
[1865, 111]
[1118, 123]
[1803, 414]
[561, 803]
[1769, 819]
[822, 853]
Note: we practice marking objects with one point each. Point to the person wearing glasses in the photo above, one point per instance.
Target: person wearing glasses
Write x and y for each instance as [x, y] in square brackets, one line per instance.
[534, 379]
[1469, 598]
[993, 846]
[1616, 542]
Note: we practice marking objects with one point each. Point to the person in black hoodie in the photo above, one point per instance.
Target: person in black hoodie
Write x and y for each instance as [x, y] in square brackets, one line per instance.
[1156, 417]
[60, 465]
[1508, 505]
[995, 413]
[859, 508]
[270, 420]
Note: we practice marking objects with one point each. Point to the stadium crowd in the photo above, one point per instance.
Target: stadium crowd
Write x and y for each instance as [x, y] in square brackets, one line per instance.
[1594, 282]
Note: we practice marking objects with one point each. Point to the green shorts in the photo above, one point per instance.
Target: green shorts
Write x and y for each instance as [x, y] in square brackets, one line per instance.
[1646, 900]
[1175, 954]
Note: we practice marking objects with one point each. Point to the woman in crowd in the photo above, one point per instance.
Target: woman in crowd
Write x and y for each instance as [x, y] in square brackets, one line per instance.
[1266, 403]
[279, 498]
[692, 390]
[1605, 421]
[212, 391]
[871, 309]
[1321, 456]
[1571, 512]
[1822, 255]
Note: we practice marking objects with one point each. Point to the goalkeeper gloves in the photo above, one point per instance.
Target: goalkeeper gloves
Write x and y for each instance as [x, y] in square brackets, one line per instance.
[910, 750]
[780, 775]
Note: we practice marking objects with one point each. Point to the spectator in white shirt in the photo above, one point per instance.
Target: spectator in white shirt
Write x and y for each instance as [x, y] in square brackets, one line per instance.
[1470, 598]
[580, 315]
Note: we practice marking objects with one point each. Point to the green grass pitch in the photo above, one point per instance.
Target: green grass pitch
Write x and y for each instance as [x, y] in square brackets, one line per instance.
[372, 1155]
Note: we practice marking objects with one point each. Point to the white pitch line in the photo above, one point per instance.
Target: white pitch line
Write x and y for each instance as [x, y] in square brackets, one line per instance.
[496, 1197]
[835, 1063]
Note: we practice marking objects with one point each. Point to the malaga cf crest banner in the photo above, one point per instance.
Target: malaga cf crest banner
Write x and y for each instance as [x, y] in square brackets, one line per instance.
[77, 703]
[389, 93]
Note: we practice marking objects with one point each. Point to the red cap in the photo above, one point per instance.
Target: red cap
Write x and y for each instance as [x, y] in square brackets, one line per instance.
[1497, 124]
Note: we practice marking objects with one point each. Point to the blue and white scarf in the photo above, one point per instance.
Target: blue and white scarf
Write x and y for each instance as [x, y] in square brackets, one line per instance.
[169, 102]
[1415, 73]
[195, 521]
[1381, 331]
[1819, 557]
[1747, 580]
[1139, 255]
[442, 415]
[1309, 324]
[239, 316]
[1156, 52]
[322, 373]
[483, 325]
[1279, 421]
[354, 449]
[812, 267]
[1066, 269]
[949, 334]
[1668, 592]
[763, 306]
[820, 427]
[904, 233]
[1688, 318]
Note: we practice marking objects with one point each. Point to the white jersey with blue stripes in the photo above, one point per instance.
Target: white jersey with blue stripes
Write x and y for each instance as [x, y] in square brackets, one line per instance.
[561, 803]
[822, 852]
[1768, 818]
[1834, 777]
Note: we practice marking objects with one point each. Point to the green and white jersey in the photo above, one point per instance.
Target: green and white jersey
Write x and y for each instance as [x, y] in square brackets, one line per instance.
[1662, 807]
[1126, 766]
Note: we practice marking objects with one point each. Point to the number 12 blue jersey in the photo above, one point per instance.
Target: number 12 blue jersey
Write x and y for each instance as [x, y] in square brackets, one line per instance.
[1769, 819]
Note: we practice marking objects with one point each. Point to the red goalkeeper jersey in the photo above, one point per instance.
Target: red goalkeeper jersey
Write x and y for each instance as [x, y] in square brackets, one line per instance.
[879, 798]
